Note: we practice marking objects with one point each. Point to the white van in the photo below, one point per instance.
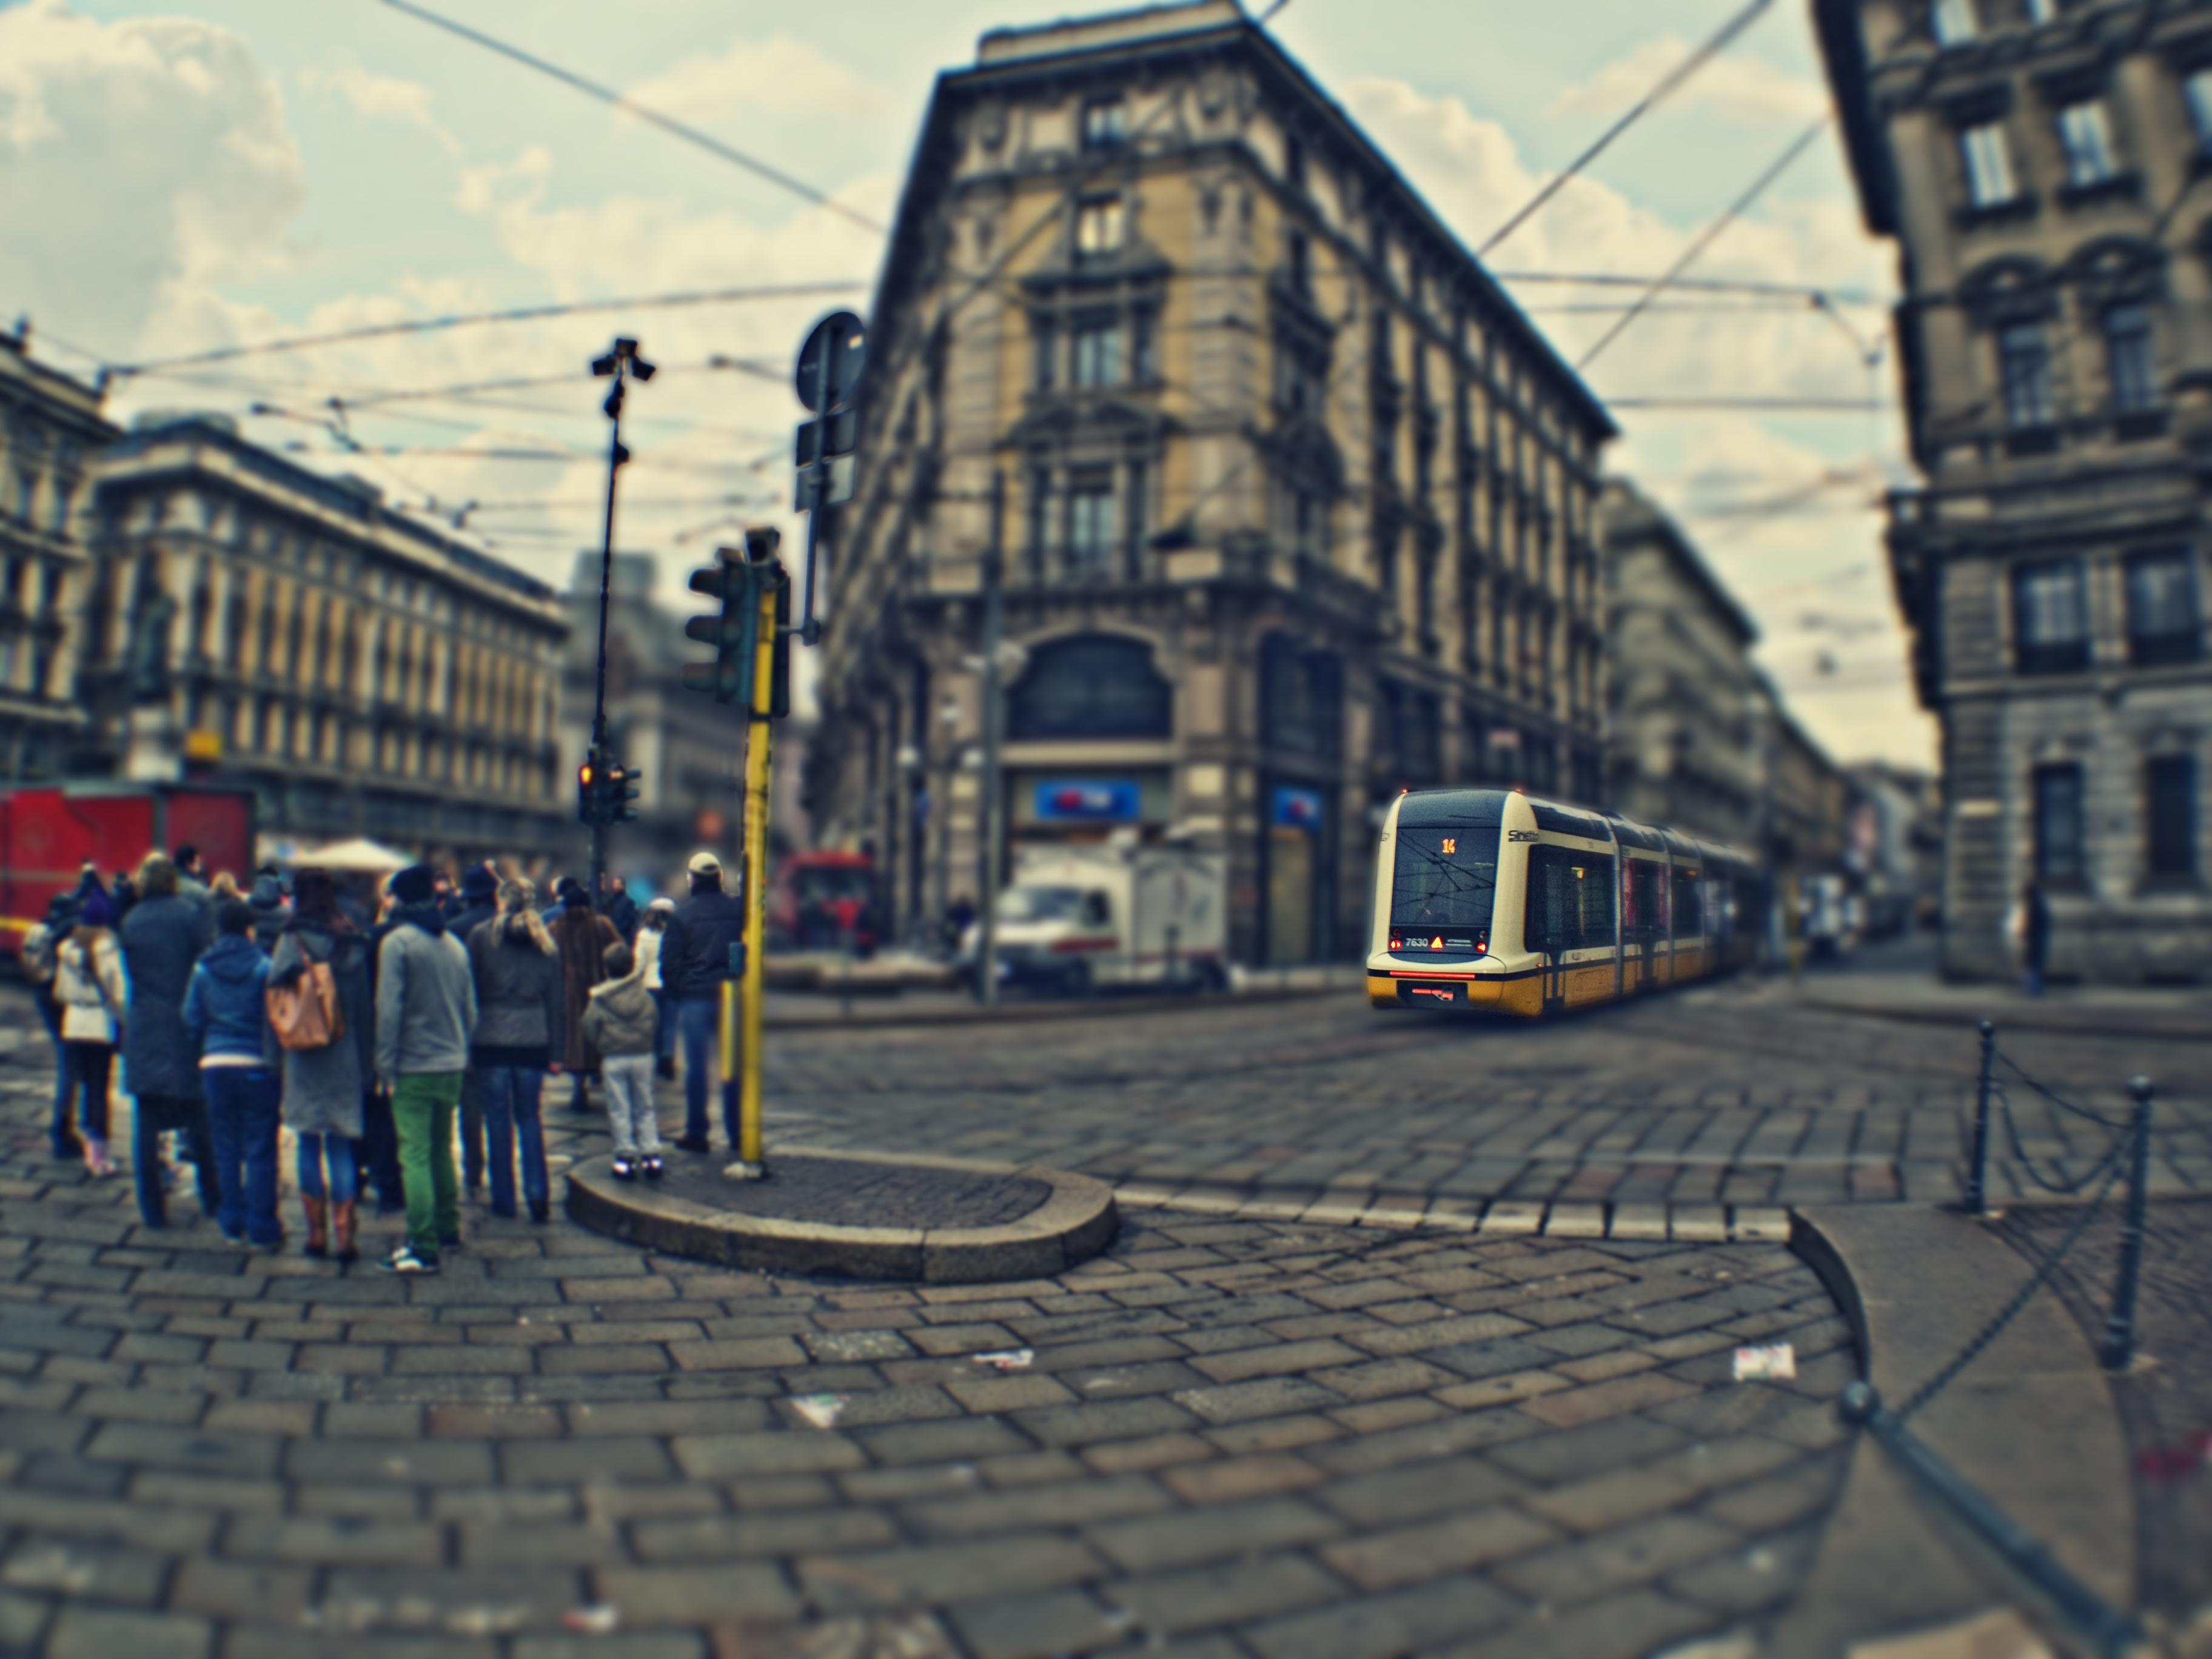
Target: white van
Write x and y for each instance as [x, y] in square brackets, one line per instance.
[1079, 919]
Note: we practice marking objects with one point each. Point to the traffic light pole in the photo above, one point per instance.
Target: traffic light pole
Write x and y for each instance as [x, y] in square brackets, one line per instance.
[744, 1078]
[620, 362]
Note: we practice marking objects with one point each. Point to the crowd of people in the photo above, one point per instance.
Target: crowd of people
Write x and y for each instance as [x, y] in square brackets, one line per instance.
[389, 1028]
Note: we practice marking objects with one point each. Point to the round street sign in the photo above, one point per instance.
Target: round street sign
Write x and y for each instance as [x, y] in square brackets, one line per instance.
[841, 340]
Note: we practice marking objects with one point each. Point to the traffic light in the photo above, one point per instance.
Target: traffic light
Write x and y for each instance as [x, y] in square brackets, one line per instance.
[742, 582]
[588, 793]
[621, 793]
[733, 632]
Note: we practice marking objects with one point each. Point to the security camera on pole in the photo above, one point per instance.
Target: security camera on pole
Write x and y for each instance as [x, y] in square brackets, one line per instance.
[605, 787]
[751, 636]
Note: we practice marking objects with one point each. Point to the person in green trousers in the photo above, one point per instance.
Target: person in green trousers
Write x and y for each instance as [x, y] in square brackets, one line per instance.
[426, 1013]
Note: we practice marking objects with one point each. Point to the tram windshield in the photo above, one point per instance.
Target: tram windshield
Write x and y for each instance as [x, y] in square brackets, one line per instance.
[1445, 878]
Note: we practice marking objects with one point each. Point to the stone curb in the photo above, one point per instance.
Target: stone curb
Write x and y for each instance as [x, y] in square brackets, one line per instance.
[1075, 1222]
[2031, 1425]
[2073, 1021]
[1103, 1007]
[1701, 1223]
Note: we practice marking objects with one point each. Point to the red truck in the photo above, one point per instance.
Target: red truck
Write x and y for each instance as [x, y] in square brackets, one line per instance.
[47, 834]
[824, 900]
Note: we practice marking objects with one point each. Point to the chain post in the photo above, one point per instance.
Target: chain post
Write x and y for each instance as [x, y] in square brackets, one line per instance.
[1977, 1166]
[2119, 1348]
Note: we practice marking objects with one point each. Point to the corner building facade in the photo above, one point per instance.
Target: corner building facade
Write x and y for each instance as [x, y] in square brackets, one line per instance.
[1298, 508]
[2041, 165]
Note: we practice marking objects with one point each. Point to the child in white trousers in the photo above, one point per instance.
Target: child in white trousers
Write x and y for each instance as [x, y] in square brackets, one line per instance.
[621, 1021]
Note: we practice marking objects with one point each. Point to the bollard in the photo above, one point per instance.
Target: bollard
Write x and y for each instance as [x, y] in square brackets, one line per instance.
[1977, 1166]
[2120, 1328]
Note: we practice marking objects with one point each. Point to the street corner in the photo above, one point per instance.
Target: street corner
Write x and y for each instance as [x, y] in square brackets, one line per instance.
[860, 1215]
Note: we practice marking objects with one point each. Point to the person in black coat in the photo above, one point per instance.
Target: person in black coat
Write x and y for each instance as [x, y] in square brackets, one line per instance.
[376, 1154]
[162, 938]
[474, 904]
[695, 962]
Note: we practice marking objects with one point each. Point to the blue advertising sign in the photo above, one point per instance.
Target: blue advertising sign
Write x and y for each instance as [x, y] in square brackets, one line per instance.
[1087, 801]
[1300, 809]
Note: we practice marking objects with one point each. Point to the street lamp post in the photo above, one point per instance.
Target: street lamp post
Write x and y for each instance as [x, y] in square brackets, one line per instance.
[622, 363]
[948, 717]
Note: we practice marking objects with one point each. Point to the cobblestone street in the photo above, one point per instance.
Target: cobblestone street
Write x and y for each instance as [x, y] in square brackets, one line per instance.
[1226, 1437]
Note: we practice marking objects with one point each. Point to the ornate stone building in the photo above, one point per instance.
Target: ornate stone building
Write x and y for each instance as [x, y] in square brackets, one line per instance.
[1684, 742]
[1298, 507]
[257, 624]
[50, 428]
[2042, 164]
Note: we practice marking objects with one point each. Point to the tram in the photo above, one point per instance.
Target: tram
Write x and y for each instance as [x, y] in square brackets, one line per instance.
[1490, 899]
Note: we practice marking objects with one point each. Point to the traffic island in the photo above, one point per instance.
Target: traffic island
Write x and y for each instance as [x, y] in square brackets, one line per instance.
[862, 1215]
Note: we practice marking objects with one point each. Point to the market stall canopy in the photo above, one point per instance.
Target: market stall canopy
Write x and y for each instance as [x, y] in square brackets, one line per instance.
[358, 856]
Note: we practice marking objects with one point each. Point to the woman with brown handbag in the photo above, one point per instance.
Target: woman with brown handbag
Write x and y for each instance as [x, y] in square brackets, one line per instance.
[321, 964]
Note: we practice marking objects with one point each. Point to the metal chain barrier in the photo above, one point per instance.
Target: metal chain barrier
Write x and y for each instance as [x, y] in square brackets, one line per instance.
[2057, 1184]
[2063, 1105]
[2109, 1167]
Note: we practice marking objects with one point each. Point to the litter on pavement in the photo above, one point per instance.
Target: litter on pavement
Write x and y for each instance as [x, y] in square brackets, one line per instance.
[1767, 1362]
[822, 1410]
[597, 1620]
[1007, 1360]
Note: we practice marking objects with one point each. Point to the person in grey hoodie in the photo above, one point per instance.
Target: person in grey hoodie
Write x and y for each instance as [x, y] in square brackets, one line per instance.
[426, 1013]
[521, 1014]
[621, 1022]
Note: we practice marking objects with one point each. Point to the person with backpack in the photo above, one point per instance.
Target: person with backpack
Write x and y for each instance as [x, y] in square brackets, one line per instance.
[521, 1034]
[225, 1010]
[161, 939]
[426, 1013]
[584, 937]
[89, 985]
[622, 1023]
[40, 944]
[325, 1019]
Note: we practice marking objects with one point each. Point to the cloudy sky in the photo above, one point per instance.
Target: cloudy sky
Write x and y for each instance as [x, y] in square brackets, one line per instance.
[192, 175]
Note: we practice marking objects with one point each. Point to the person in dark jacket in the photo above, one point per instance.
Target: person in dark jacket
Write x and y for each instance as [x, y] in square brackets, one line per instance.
[376, 1154]
[583, 936]
[163, 938]
[695, 962]
[324, 1087]
[226, 1011]
[522, 1035]
[618, 907]
[270, 911]
[474, 904]
[2035, 938]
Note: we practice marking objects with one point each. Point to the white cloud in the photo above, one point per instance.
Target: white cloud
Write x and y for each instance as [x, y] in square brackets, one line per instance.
[382, 98]
[1734, 87]
[142, 164]
[779, 75]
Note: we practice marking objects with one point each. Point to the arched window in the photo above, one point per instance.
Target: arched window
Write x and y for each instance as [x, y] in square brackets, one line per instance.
[1092, 685]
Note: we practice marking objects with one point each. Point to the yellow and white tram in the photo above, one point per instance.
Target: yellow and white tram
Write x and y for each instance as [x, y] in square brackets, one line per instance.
[1489, 898]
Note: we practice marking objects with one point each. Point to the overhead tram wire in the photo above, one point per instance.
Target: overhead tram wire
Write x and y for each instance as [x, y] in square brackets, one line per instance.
[1704, 238]
[1848, 296]
[668, 123]
[468, 319]
[1666, 83]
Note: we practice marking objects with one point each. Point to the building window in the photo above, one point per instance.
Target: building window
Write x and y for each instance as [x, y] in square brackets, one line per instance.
[2050, 617]
[1098, 227]
[1090, 686]
[1097, 350]
[1989, 165]
[2170, 800]
[1143, 369]
[1294, 162]
[1047, 341]
[2058, 857]
[2127, 358]
[1093, 523]
[1139, 481]
[1951, 21]
[1105, 124]
[1309, 524]
[1297, 265]
[2024, 363]
[2197, 90]
[1298, 383]
[2163, 625]
[2086, 137]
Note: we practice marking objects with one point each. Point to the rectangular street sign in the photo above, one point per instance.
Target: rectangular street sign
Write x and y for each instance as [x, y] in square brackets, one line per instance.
[844, 437]
[841, 479]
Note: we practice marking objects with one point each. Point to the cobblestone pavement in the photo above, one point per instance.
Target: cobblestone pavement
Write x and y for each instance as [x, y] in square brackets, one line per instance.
[1729, 1094]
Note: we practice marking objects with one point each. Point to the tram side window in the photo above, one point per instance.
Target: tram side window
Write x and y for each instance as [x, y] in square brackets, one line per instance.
[1688, 886]
[1643, 901]
[1570, 900]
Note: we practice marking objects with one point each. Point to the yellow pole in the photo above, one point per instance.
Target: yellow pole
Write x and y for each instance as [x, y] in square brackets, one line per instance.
[756, 789]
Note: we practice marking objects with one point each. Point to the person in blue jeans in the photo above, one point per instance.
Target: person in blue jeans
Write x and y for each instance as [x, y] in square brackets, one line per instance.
[696, 961]
[520, 1033]
[226, 1013]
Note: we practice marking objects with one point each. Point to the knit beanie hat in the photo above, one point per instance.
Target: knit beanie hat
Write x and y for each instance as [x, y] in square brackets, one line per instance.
[416, 884]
